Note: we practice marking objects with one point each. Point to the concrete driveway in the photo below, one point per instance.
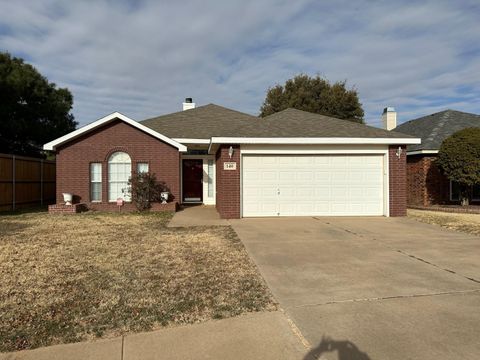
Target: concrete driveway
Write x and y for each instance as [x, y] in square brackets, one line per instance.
[372, 288]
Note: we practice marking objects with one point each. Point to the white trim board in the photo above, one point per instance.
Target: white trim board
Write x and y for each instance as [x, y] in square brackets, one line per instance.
[419, 152]
[192, 141]
[113, 116]
[320, 140]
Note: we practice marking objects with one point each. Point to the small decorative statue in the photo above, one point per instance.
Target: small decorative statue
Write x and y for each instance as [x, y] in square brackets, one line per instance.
[164, 196]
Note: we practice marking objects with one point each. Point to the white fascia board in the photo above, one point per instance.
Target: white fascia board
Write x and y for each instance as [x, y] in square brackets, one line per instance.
[419, 152]
[116, 115]
[325, 140]
[192, 141]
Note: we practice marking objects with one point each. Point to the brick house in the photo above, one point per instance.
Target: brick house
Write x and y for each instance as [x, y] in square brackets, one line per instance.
[426, 184]
[292, 163]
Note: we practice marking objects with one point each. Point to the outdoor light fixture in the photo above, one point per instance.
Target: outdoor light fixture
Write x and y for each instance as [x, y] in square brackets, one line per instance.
[399, 152]
[230, 151]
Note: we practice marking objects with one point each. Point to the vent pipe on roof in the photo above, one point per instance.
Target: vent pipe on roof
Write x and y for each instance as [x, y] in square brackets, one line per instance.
[389, 118]
[188, 104]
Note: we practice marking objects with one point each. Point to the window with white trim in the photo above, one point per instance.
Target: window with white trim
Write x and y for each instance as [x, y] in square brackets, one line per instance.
[119, 171]
[96, 182]
[142, 168]
[210, 178]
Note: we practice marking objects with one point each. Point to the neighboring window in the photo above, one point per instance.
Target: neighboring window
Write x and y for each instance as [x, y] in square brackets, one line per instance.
[454, 191]
[95, 182]
[142, 168]
[210, 178]
[476, 192]
[119, 171]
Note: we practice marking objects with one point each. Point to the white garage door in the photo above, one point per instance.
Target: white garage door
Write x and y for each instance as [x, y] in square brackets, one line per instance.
[310, 185]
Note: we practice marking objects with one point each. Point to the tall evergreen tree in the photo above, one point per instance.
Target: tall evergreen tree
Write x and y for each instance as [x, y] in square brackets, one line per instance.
[33, 111]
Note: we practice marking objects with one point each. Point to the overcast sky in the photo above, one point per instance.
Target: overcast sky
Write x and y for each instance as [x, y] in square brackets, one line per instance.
[143, 58]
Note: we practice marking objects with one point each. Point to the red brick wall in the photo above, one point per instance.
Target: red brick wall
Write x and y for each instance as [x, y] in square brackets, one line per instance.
[426, 184]
[398, 181]
[416, 192]
[73, 161]
[228, 183]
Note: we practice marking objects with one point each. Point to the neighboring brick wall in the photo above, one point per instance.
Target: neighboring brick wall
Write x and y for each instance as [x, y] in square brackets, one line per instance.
[426, 184]
[73, 162]
[398, 182]
[228, 183]
[416, 192]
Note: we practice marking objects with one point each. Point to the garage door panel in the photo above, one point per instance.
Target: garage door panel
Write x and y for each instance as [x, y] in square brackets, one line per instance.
[335, 185]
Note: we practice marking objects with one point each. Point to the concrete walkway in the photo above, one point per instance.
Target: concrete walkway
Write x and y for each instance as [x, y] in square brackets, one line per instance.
[197, 215]
[372, 288]
[267, 335]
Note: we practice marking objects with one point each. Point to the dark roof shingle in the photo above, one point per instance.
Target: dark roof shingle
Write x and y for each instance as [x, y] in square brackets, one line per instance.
[435, 128]
[212, 120]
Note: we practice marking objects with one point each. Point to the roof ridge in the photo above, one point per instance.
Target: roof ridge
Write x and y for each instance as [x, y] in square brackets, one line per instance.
[159, 117]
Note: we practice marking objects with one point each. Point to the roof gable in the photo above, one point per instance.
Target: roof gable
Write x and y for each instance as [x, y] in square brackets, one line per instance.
[105, 120]
[435, 128]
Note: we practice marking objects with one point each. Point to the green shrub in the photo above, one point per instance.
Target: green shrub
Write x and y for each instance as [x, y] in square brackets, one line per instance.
[459, 159]
[144, 189]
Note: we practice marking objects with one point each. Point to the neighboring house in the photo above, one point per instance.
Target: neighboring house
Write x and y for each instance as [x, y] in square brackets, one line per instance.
[426, 184]
[292, 163]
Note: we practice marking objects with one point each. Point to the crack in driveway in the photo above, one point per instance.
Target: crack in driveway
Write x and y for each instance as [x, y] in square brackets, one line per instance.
[398, 250]
[387, 298]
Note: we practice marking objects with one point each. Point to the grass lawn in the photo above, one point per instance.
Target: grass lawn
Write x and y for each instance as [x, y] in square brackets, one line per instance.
[469, 223]
[75, 278]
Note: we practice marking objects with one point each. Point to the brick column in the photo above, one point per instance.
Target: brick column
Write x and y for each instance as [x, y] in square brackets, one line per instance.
[228, 183]
[397, 181]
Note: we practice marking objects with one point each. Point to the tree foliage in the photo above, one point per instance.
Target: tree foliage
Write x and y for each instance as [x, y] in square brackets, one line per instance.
[144, 189]
[33, 111]
[459, 159]
[314, 94]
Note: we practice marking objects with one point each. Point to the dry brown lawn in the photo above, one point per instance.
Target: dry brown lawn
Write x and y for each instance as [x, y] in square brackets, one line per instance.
[74, 278]
[469, 223]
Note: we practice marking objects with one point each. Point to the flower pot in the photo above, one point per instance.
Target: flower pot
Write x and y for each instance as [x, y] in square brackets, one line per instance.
[67, 198]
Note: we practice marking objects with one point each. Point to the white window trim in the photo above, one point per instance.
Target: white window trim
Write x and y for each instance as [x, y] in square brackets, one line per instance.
[96, 182]
[108, 177]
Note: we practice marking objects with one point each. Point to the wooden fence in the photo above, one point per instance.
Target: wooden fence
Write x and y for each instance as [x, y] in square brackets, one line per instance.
[25, 182]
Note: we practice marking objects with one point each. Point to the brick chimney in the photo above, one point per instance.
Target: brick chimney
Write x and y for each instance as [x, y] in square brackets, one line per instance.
[188, 104]
[389, 118]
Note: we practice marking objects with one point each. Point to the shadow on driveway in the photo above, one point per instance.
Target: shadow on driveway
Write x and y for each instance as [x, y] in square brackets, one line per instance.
[346, 350]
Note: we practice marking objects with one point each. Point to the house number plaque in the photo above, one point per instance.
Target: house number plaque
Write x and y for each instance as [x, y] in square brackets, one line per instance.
[229, 166]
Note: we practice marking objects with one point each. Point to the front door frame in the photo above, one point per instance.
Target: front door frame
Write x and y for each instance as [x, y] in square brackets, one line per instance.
[206, 199]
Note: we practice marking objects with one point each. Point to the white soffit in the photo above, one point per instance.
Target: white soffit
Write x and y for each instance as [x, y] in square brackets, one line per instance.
[113, 116]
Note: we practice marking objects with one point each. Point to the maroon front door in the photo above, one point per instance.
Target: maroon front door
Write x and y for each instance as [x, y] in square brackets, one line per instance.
[192, 171]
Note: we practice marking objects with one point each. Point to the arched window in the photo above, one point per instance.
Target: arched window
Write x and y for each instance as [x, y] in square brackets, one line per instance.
[119, 171]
